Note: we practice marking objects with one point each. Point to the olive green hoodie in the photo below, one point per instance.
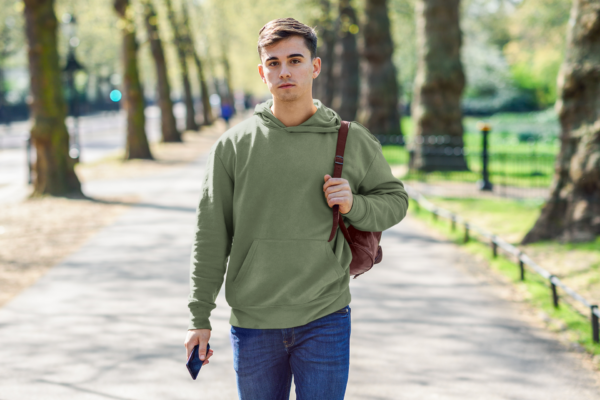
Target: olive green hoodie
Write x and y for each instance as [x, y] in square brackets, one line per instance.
[263, 207]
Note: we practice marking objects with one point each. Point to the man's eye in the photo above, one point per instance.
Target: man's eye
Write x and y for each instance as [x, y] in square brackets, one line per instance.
[273, 64]
[295, 61]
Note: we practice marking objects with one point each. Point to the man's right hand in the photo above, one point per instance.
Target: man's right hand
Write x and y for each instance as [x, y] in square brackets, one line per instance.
[201, 337]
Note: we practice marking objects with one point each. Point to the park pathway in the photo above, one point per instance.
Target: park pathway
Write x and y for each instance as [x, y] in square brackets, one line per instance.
[109, 321]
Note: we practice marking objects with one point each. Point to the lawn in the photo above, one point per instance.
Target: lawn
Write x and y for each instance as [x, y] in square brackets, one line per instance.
[577, 265]
[522, 150]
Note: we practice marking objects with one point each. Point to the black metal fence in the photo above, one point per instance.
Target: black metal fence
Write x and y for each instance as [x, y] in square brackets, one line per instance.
[519, 172]
[523, 261]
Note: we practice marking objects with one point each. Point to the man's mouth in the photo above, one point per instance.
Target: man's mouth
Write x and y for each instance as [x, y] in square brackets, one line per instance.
[286, 85]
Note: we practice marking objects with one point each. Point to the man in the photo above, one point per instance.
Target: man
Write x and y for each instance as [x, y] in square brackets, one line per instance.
[268, 186]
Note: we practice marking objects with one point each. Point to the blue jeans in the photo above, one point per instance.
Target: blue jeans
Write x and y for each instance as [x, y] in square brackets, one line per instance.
[317, 354]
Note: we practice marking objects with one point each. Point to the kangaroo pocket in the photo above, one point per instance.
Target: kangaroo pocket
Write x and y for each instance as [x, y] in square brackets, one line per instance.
[285, 272]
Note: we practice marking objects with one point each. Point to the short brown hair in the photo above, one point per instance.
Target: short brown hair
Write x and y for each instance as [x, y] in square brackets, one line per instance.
[283, 28]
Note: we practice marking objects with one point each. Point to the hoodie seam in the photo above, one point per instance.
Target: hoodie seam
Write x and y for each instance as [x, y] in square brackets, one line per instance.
[366, 173]
[223, 165]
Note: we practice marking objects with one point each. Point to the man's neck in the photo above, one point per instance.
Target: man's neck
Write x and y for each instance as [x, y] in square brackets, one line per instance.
[293, 113]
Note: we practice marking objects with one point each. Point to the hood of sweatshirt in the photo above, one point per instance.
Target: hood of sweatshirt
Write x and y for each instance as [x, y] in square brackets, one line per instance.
[325, 120]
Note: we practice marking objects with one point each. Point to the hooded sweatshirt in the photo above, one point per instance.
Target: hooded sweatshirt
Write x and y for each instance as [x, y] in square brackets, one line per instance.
[263, 220]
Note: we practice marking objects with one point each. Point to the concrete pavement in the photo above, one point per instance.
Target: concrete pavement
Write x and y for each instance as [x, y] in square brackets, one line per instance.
[109, 321]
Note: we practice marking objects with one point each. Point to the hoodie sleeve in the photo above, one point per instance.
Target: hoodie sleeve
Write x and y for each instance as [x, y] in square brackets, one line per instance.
[381, 201]
[212, 242]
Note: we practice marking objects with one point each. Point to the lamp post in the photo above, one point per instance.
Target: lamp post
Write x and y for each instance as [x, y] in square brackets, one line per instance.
[71, 67]
[485, 183]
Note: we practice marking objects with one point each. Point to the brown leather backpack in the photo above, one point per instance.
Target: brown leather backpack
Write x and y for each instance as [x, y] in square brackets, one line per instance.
[365, 247]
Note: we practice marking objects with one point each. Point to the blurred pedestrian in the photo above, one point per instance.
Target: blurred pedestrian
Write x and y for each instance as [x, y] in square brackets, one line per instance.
[226, 112]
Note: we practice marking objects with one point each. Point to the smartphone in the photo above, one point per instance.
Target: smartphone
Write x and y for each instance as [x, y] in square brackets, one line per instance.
[194, 363]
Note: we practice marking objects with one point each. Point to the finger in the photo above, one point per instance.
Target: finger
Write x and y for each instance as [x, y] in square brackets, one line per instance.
[327, 176]
[210, 353]
[202, 349]
[336, 200]
[338, 188]
[333, 181]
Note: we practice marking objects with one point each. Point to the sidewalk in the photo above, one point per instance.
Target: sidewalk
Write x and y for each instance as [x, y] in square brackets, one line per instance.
[109, 321]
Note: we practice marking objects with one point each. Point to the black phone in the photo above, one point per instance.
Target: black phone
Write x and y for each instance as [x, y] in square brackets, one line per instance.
[194, 363]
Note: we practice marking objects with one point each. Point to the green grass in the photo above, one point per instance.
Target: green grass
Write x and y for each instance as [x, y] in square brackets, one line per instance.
[506, 217]
[512, 161]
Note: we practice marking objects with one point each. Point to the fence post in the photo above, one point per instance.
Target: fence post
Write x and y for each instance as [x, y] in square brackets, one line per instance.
[522, 266]
[554, 292]
[453, 222]
[485, 183]
[595, 333]
[466, 232]
[494, 246]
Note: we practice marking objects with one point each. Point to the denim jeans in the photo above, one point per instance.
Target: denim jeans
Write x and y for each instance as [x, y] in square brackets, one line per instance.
[317, 354]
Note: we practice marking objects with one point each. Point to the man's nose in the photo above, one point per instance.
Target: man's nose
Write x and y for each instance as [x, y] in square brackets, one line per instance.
[285, 72]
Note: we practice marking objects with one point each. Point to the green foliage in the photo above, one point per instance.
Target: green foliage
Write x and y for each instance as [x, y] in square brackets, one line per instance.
[535, 52]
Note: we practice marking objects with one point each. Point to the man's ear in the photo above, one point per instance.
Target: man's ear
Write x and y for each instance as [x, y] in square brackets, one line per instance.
[261, 72]
[316, 67]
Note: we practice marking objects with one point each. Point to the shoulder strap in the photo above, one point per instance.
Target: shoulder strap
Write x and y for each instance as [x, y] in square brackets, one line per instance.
[337, 173]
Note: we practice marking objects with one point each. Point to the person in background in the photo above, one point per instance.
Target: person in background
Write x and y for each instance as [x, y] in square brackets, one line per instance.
[226, 112]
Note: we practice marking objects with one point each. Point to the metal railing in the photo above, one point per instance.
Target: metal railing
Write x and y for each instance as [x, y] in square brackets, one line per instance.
[521, 258]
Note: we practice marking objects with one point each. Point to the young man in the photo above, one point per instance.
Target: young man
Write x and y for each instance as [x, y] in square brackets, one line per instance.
[268, 185]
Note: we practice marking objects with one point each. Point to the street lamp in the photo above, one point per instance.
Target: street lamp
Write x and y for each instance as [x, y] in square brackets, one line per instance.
[70, 30]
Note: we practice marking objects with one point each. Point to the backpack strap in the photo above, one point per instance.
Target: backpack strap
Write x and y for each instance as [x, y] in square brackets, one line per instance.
[337, 173]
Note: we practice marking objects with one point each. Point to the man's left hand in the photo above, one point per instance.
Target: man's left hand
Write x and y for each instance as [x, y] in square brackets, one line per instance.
[337, 191]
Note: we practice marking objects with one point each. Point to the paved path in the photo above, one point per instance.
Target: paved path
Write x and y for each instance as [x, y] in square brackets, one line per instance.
[110, 320]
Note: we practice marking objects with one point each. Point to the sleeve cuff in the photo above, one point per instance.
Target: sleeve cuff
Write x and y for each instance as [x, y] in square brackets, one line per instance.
[197, 322]
[357, 212]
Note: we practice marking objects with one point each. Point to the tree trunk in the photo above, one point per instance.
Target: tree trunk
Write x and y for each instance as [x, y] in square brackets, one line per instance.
[572, 212]
[190, 113]
[206, 107]
[133, 96]
[347, 68]
[439, 84]
[54, 169]
[227, 71]
[167, 119]
[379, 111]
[323, 86]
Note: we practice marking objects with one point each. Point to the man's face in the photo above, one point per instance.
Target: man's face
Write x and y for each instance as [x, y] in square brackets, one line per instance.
[287, 69]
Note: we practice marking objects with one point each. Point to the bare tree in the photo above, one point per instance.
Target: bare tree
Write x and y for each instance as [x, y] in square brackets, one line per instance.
[168, 124]
[572, 213]
[439, 85]
[347, 69]
[54, 169]
[179, 41]
[379, 110]
[133, 95]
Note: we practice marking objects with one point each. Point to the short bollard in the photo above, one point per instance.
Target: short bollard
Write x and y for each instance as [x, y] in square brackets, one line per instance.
[522, 267]
[494, 247]
[453, 222]
[554, 292]
[595, 332]
[466, 233]
[434, 214]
